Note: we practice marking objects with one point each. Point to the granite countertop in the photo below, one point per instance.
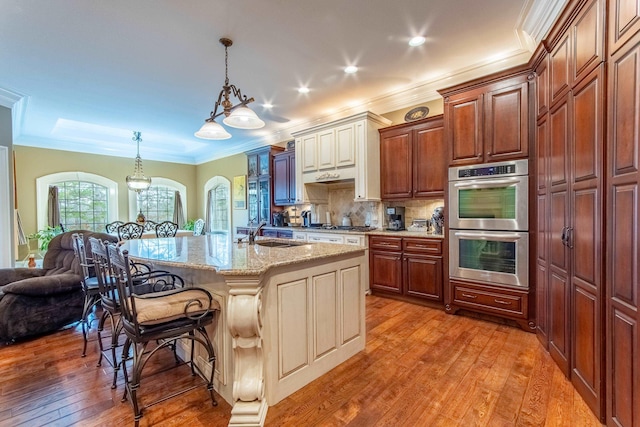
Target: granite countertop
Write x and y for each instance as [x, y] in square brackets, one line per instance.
[379, 231]
[217, 252]
[405, 233]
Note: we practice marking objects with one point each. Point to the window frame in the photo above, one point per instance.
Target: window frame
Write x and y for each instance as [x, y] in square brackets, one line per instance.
[161, 182]
[210, 185]
[42, 192]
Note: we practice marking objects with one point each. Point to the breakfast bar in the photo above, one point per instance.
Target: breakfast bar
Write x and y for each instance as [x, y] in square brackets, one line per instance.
[292, 311]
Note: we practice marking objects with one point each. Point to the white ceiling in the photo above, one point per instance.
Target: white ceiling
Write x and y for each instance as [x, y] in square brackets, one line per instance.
[82, 75]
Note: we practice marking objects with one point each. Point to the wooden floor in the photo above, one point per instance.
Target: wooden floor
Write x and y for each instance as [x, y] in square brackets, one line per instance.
[421, 367]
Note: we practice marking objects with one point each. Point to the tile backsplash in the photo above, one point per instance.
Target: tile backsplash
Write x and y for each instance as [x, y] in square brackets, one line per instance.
[340, 198]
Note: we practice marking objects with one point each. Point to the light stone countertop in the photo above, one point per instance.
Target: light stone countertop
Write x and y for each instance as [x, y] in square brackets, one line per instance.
[405, 233]
[217, 252]
[377, 232]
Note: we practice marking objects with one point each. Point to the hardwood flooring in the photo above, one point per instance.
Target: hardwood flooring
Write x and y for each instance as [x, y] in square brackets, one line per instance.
[421, 367]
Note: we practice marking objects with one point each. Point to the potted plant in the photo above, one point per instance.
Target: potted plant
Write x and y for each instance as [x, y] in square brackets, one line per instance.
[45, 235]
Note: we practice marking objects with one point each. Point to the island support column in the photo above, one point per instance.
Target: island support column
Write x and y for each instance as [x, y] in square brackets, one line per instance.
[245, 326]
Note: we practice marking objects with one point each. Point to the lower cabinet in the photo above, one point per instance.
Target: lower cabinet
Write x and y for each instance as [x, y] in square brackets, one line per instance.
[406, 266]
[283, 234]
[511, 303]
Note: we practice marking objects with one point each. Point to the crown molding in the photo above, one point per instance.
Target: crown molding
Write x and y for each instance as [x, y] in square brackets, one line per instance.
[540, 17]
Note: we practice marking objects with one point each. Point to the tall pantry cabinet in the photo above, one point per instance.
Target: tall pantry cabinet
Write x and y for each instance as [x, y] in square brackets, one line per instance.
[570, 197]
[623, 205]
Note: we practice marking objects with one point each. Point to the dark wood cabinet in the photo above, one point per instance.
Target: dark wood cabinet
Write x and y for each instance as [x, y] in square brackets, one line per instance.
[622, 226]
[624, 23]
[413, 160]
[488, 120]
[284, 178]
[570, 203]
[260, 183]
[507, 302]
[406, 266]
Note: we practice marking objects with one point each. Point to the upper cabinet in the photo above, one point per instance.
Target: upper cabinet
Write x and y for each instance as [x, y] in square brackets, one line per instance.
[487, 120]
[413, 160]
[259, 183]
[346, 149]
[284, 178]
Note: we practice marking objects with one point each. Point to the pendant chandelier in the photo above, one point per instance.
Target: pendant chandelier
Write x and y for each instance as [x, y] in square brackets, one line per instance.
[237, 116]
[138, 182]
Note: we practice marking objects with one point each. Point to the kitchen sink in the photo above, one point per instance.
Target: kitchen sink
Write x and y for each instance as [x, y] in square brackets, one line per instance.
[277, 244]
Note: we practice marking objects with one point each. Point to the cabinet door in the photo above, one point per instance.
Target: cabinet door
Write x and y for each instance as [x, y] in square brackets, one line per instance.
[292, 177]
[252, 165]
[264, 200]
[623, 225]
[345, 146]
[588, 39]
[281, 180]
[559, 292]
[385, 271]
[585, 237]
[326, 149]
[264, 163]
[506, 123]
[308, 145]
[464, 128]
[624, 22]
[429, 162]
[396, 164]
[560, 68]
[252, 203]
[542, 87]
[423, 276]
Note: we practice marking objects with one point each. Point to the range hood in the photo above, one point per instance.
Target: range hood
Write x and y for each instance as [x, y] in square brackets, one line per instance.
[330, 177]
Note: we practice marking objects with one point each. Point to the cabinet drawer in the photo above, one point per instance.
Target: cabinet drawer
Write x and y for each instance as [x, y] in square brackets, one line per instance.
[354, 240]
[491, 300]
[426, 246]
[387, 243]
[325, 238]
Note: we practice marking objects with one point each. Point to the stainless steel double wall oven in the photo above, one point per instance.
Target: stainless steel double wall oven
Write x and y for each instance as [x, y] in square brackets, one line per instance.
[488, 223]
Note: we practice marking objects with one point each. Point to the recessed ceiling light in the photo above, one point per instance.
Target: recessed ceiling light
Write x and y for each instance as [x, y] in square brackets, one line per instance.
[267, 105]
[351, 69]
[417, 41]
[303, 89]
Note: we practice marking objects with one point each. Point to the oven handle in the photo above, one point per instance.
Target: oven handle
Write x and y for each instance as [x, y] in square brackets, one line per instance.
[488, 183]
[490, 236]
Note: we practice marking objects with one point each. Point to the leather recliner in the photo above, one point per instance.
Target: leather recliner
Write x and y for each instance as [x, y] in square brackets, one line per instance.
[34, 301]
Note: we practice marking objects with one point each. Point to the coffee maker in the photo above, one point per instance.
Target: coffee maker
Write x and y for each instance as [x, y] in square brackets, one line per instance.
[395, 218]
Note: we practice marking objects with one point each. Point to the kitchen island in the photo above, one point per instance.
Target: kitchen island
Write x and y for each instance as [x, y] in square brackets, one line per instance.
[291, 311]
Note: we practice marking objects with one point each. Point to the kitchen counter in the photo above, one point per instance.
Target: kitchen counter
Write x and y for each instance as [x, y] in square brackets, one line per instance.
[379, 231]
[219, 254]
[289, 314]
[406, 233]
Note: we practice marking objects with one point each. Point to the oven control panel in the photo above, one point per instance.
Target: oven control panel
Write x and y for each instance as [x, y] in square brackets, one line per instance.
[514, 168]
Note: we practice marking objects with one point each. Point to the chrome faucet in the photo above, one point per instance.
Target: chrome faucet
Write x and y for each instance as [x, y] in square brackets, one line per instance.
[254, 232]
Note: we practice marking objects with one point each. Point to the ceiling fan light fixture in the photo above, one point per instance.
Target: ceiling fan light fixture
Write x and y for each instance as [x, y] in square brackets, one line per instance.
[212, 130]
[243, 117]
[238, 116]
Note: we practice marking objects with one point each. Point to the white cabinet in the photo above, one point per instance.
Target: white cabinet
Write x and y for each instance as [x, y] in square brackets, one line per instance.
[301, 237]
[308, 149]
[346, 149]
[341, 238]
[325, 238]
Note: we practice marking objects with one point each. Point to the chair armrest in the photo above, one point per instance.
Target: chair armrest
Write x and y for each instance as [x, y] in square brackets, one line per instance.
[10, 275]
[155, 281]
[45, 285]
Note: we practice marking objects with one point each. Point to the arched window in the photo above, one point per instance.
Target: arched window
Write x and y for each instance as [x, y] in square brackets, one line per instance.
[158, 202]
[217, 192]
[87, 201]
